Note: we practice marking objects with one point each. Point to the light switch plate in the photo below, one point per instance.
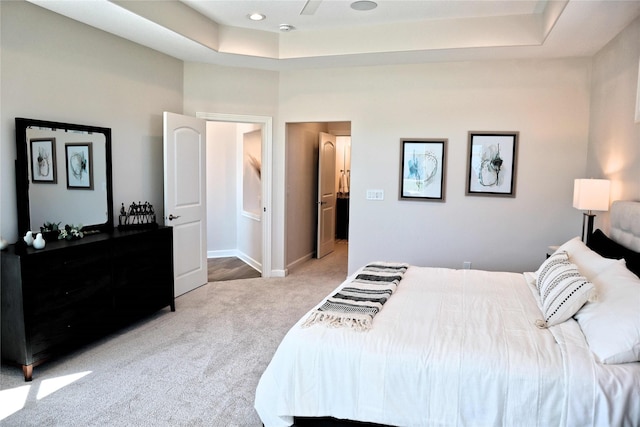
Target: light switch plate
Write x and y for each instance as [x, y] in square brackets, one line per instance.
[375, 194]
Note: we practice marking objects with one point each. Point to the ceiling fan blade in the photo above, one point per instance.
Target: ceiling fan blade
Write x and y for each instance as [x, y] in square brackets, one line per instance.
[310, 7]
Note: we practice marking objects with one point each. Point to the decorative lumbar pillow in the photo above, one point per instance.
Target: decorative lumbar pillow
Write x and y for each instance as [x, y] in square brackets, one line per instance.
[563, 290]
[611, 324]
[556, 260]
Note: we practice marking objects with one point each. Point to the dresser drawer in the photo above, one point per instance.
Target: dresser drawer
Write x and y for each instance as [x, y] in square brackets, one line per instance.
[73, 264]
[60, 279]
[72, 326]
[62, 294]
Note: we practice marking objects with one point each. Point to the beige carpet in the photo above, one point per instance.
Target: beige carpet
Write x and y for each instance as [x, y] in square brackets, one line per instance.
[198, 366]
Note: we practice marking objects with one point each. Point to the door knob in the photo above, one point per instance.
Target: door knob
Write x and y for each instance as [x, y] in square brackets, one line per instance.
[172, 217]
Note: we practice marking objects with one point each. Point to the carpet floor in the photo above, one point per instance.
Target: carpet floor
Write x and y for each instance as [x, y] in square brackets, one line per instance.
[198, 366]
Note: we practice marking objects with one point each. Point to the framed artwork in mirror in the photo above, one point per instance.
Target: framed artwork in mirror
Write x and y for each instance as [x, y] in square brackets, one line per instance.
[422, 169]
[43, 160]
[79, 162]
[491, 164]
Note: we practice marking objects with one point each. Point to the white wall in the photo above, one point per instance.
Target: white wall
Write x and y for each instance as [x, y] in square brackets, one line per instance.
[614, 138]
[54, 68]
[546, 101]
[222, 212]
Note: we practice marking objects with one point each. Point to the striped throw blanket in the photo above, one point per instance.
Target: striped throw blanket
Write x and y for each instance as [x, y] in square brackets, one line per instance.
[357, 302]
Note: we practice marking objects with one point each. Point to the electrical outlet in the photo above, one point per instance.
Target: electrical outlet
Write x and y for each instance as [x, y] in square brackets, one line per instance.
[466, 265]
[375, 194]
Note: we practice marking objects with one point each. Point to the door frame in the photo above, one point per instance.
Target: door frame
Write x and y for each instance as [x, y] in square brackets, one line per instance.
[266, 174]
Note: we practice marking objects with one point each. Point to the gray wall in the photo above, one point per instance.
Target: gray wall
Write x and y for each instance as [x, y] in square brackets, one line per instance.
[614, 138]
[54, 68]
[547, 101]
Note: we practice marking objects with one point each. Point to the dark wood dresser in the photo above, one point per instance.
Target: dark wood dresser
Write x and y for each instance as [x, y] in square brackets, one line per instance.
[72, 292]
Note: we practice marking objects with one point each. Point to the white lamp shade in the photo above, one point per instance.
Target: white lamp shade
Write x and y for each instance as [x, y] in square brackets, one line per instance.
[591, 194]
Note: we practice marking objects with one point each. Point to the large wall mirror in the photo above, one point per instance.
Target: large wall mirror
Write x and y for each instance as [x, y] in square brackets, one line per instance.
[63, 175]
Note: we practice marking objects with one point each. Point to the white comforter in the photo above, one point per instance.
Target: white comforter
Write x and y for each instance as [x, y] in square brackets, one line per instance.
[451, 347]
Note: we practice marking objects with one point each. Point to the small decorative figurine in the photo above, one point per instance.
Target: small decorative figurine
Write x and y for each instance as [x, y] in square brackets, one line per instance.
[28, 238]
[39, 242]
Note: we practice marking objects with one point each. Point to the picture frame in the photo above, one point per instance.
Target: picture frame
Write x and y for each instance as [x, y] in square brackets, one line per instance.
[79, 162]
[492, 164]
[422, 169]
[43, 160]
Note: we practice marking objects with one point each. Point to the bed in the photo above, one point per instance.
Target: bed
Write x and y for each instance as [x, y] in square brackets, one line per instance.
[559, 346]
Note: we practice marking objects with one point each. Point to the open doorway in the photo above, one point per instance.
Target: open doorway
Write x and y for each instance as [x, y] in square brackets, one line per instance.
[265, 124]
[234, 200]
[301, 183]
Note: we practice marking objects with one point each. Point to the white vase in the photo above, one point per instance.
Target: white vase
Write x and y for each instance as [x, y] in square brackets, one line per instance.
[39, 242]
[28, 238]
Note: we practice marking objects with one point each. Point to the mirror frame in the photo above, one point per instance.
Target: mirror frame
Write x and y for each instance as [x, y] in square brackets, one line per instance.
[22, 171]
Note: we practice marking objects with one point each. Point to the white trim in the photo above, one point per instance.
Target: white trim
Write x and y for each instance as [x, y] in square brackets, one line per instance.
[227, 253]
[279, 273]
[300, 261]
[252, 262]
[267, 176]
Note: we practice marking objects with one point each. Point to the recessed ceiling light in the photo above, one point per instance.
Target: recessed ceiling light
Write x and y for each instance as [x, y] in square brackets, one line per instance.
[364, 5]
[286, 27]
[256, 16]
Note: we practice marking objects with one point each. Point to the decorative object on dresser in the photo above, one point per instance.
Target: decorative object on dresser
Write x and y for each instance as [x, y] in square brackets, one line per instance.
[71, 292]
[28, 238]
[50, 230]
[39, 242]
[139, 215]
[590, 195]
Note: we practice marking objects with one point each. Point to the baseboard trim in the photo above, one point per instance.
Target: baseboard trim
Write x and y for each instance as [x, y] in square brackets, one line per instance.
[300, 261]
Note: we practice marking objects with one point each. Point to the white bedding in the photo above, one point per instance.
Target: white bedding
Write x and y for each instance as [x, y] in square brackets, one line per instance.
[451, 347]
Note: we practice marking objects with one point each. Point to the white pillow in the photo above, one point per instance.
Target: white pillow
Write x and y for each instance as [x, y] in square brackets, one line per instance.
[611, 324]
[563, 290]
[589, 262]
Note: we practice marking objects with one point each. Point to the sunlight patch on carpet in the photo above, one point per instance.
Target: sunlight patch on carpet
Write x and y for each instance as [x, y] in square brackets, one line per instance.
[48, 387]
[12, 400]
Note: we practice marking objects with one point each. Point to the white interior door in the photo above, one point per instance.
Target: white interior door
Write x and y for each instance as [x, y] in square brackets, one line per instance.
[326, 194]
[185, 206]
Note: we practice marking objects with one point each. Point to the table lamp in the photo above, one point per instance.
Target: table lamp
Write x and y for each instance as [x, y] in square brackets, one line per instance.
[590, 195]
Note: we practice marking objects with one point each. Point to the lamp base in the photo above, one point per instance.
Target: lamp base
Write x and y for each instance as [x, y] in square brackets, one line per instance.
[587, 226]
